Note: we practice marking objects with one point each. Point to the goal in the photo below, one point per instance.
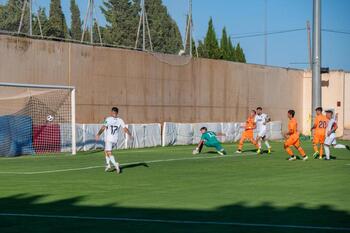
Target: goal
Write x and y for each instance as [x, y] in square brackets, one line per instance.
[36, 119]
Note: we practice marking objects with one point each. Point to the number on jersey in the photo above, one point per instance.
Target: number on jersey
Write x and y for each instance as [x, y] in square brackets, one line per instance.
[114, 129]
[322, 124]
[211, 134]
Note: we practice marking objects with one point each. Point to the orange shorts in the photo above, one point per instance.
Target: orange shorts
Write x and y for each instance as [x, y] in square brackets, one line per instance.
[318, 139]
[293, 140]
[247, 135]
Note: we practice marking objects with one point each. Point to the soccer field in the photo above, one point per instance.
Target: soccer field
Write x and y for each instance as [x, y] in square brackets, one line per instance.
[171, 190]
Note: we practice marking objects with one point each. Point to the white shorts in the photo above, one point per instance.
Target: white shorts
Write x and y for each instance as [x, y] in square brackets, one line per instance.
[330, 140]
[261, 133]
[109, 145]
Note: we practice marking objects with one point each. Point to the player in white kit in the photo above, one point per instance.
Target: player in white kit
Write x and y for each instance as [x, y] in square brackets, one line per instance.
[112, 125]
[331, 136]
[261, 120]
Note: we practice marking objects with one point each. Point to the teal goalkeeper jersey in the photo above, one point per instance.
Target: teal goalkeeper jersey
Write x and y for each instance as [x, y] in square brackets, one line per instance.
[209, 138]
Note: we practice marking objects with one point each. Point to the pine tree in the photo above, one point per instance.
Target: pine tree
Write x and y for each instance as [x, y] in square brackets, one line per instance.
[56, 26]
[202, 51]
[96, 36]
[122, 18]
[194, 49]
[122, 21]
[165, 33]
[240, 54]
[224, 46]
[10, 16]
[75, 28]
[232, 50]
[41, 15]
[87, 37]
[211, 43]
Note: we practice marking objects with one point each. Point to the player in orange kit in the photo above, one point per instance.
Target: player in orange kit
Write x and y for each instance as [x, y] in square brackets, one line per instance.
[292, 137]
[319, 127]
[248, 133]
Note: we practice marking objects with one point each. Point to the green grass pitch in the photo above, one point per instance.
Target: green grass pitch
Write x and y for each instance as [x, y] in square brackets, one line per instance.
[171, 190]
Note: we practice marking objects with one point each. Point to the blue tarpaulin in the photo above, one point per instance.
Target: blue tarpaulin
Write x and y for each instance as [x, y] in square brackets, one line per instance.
[16, 137]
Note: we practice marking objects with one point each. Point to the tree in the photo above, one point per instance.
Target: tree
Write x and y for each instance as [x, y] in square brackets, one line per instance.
[10, 16]
[240, 54]
[56, 25]
[123, 16]
[122, 21]
[95, 35]
[41, 16]
[202, 51]
[187, 40]
[211, 43]
[75, 28]
[224, 46]
[165, 33]
[232, 50]
[194, 49]
[227, 51]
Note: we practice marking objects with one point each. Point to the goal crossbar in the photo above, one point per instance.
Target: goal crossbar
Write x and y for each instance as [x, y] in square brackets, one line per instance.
[44, 86]
[36, 86]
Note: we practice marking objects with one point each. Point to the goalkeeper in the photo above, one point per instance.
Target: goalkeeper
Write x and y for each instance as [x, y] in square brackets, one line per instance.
[209, 139]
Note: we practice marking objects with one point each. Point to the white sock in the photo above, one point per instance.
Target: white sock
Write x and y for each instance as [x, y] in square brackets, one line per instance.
[267, 144]
[113, 161]
[327, 151]
[259, 143]
[340, 146]
[107, 161]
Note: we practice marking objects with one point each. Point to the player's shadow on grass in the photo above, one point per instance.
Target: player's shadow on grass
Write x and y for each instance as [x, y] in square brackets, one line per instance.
[210, 152]
[133, 165]
[25, 213]
[249, 150]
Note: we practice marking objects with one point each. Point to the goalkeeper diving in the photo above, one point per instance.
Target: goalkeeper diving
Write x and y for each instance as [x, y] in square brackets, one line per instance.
[209, 139]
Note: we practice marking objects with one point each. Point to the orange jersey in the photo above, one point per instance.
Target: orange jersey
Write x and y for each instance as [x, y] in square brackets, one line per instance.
[293, 127]
[320, 125]
[250, 123]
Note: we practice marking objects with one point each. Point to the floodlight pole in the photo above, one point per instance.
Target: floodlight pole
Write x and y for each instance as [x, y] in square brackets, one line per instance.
[143, 26]
[29, 4]
[316, 57]
[30, 17]
[22, 15]
[91, 22]
[89, 16]
[190, 24]
[309, 43]
[85, 21]
[265, 32]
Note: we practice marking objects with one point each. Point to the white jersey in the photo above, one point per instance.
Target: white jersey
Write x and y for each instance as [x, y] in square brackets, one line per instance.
[330, 124]
[330, 139]
[260, 121]
[113, 125]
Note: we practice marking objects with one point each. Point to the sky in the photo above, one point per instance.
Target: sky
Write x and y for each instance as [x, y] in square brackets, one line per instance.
[242, 17]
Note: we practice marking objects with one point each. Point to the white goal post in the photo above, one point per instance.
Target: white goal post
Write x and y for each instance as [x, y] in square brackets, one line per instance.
[37, 119]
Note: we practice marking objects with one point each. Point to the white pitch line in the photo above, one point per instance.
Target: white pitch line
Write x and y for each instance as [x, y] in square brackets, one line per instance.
[124, 164]
[51, 171]
[120, 151]
[192, 222]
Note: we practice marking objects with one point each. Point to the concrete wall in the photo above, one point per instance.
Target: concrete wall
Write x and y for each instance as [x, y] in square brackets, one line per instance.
[336, 89]
[157, 88]
[346, 103]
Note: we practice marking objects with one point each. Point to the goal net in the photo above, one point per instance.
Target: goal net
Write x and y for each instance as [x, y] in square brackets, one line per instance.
[36, 119]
